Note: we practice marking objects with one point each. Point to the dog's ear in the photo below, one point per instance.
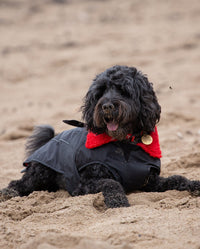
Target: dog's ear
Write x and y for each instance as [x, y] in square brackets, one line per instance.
[150, 109]
[94, 93]
[88, 109]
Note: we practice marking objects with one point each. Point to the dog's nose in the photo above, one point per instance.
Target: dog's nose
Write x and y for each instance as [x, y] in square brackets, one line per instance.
[108, 107]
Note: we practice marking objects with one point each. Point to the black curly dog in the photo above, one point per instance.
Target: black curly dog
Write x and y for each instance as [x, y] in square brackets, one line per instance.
[120, 105]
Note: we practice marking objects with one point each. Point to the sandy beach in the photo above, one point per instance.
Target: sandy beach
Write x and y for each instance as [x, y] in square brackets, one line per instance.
[50, 51]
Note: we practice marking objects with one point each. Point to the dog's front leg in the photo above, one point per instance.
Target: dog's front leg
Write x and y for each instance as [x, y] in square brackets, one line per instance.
[175, 182]
[113, 192]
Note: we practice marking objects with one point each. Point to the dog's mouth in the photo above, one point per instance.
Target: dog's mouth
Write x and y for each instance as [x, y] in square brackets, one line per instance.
[111, 124]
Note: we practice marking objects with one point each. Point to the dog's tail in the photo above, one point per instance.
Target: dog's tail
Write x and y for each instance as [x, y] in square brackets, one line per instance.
[41, 135]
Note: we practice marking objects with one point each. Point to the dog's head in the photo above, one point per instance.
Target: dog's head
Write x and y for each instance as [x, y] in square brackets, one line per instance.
[121, 101]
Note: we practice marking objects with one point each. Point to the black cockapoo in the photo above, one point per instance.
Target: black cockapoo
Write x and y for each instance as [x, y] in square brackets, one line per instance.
[115, 151]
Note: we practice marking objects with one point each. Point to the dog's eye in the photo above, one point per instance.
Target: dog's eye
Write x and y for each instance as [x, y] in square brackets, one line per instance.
[100, 91]
[98, 94]
[123, 92]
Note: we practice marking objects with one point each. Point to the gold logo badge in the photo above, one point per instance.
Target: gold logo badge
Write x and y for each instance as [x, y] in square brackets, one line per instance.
[147, 139]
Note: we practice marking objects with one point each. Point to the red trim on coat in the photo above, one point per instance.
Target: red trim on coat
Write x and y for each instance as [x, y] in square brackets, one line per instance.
[97, 140]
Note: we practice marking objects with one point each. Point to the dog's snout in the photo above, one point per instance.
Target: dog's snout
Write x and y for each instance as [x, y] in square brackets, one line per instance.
[107, 107]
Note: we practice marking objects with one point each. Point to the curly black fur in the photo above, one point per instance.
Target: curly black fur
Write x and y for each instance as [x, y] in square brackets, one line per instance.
[120, 101]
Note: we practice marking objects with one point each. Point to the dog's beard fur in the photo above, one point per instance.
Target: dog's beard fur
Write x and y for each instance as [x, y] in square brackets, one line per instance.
[117, 121]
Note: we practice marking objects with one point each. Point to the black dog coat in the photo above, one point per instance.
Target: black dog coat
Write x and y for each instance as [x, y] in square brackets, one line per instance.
[67, 154]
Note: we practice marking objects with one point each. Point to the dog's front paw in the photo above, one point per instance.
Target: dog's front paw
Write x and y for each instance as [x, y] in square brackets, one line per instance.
[116, 201]
[7, 193]
[195, 188]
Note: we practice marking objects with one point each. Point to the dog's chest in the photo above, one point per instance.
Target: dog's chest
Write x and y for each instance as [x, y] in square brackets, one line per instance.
[131, 163]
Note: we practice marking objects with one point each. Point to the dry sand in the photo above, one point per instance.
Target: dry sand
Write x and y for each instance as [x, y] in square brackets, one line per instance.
[49, 53]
